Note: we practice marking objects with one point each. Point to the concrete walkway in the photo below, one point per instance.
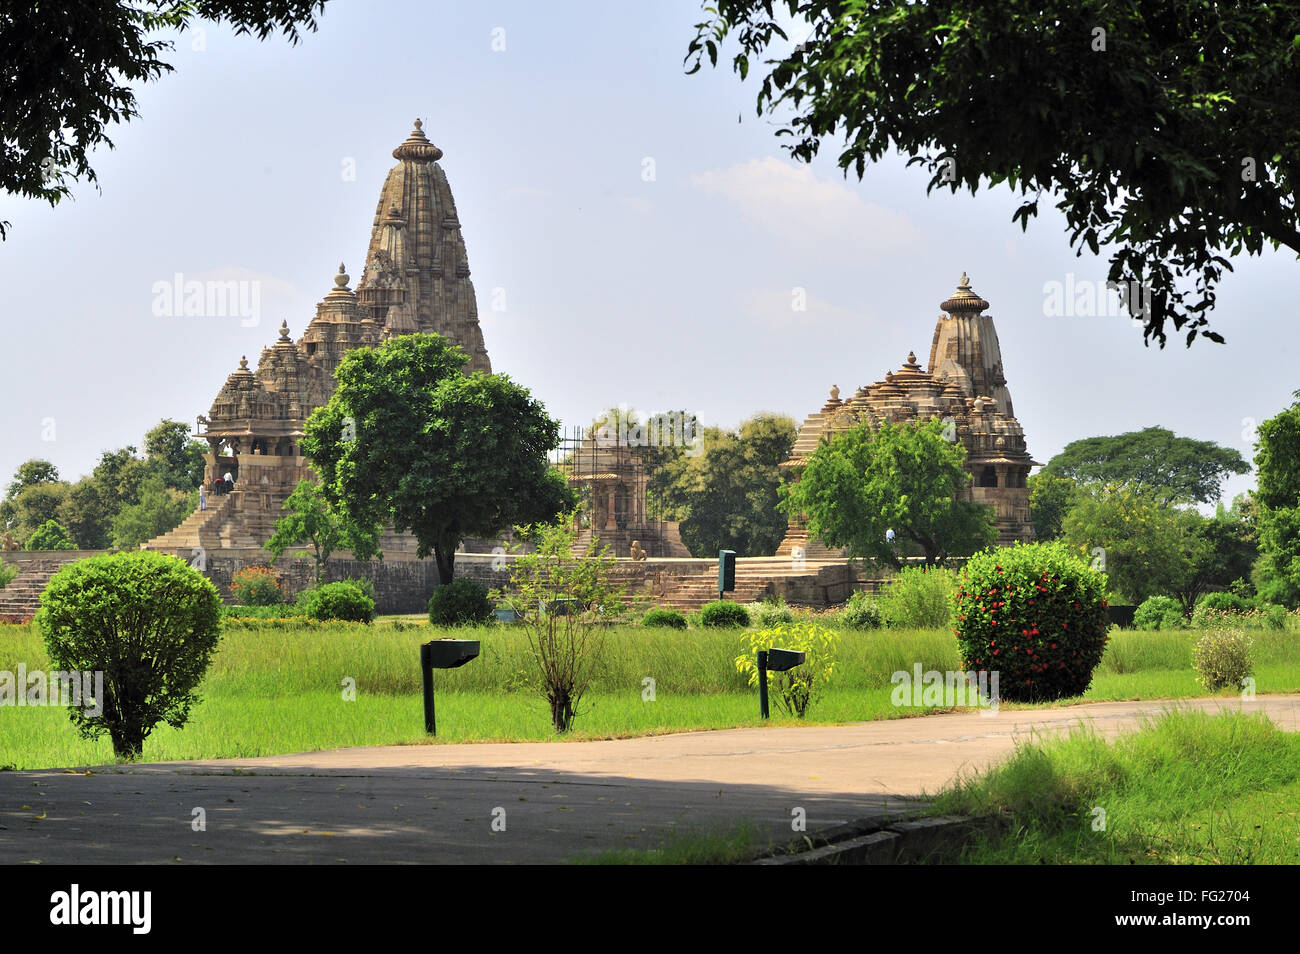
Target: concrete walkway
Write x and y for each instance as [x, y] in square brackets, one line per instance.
[555, 801]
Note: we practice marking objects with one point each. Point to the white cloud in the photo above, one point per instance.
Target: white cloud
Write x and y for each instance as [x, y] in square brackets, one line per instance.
[806, 211]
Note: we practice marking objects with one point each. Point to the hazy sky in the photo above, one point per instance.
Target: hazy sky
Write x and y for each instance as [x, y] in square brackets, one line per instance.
[262, 161]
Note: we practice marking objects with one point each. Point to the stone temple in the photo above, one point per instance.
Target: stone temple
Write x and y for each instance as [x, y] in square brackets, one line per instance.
[415, 279]
[965, 383]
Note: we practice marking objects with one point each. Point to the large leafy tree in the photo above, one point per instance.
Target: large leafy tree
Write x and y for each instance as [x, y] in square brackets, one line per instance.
[408, 439]
[1145, 549]
[1228, 550]
[1050, 498]
[1153, 461]
[1167, 132]
[174, 456]
[1277, 463]
[69, 66]
[159, 508]
[726, 497]
[905, 477]
[309, 518]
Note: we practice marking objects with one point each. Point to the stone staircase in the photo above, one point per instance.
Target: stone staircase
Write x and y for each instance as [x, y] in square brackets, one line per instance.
[755, 577]
[20, 600]
[202, 528]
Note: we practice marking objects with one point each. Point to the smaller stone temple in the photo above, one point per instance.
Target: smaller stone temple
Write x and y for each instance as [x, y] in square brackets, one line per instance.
[611, 475]
[964, 385]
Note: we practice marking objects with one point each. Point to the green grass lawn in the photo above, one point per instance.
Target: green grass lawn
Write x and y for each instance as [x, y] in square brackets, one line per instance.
[278, 690]
[1189, 788]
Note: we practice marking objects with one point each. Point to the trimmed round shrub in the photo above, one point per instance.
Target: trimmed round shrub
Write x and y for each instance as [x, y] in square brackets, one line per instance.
[664, 617]
[1035, 614]
[722, 613]
[861, 612]
[256, 586]
[920, 598]
[1222, 659]
[460, 603]
[343, 600]
[149, 623]
[1159, 612]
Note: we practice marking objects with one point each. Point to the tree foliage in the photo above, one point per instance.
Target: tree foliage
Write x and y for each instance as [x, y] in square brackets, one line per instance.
[905, 477]
[1050, 499]
[159, 509]
[1277, 464]
[408, 439]
[51, 535]
[726, 497]
[150, 623]
[309, 518]
[69, 67]
[1166, 132]
[1153, 461]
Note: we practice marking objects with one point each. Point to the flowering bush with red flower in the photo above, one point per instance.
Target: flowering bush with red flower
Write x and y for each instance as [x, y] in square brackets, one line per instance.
[256, 586]
[1036, 614]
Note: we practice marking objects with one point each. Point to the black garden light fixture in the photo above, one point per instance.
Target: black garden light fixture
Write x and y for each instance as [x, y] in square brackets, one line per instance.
[777, 660]
[442, 654]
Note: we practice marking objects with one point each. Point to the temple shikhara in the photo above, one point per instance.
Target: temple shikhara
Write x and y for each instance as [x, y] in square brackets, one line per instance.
[415, 279]
[963, 385]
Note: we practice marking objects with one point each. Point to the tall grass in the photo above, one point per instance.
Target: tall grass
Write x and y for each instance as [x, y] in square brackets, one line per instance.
[1189, 787]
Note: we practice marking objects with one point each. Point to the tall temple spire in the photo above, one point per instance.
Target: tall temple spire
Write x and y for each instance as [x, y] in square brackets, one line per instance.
[416, 272]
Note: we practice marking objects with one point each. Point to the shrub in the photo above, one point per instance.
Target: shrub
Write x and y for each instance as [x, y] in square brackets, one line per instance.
[1275, 616]
[795, 689]
[149, 622]
[343, 600]
[920, 598]
[256, 586]
[1159, 612]
[664, 617]
[460, 603]
[1222, 659]
[50, 535]
[7, 572]
[1224, 601]
[1036, 614]
[772, 611]
[861, 612]
[723, 613]
[567, 647]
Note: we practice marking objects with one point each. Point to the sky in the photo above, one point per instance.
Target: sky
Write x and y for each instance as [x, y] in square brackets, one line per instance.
[636, 236]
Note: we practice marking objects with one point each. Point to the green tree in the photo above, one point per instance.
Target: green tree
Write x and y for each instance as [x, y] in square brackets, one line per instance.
[1277, 464]
[726, 497]
[32, 506]
[171, 454]
[408, 439]
[34, 471]
[50, 535]
[149, 623]
[905, 477]
[1228, 550]
[160, 508]
[1050, 499]
[95, 501]
[1145, 549]
[992, 93]
[68, 67]
[1152, 461]
[309, 518]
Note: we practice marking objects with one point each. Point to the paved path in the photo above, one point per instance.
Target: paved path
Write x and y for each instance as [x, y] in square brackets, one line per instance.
[558, 800]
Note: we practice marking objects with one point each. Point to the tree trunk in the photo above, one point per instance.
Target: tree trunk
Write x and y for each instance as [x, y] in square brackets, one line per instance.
[445, 558]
